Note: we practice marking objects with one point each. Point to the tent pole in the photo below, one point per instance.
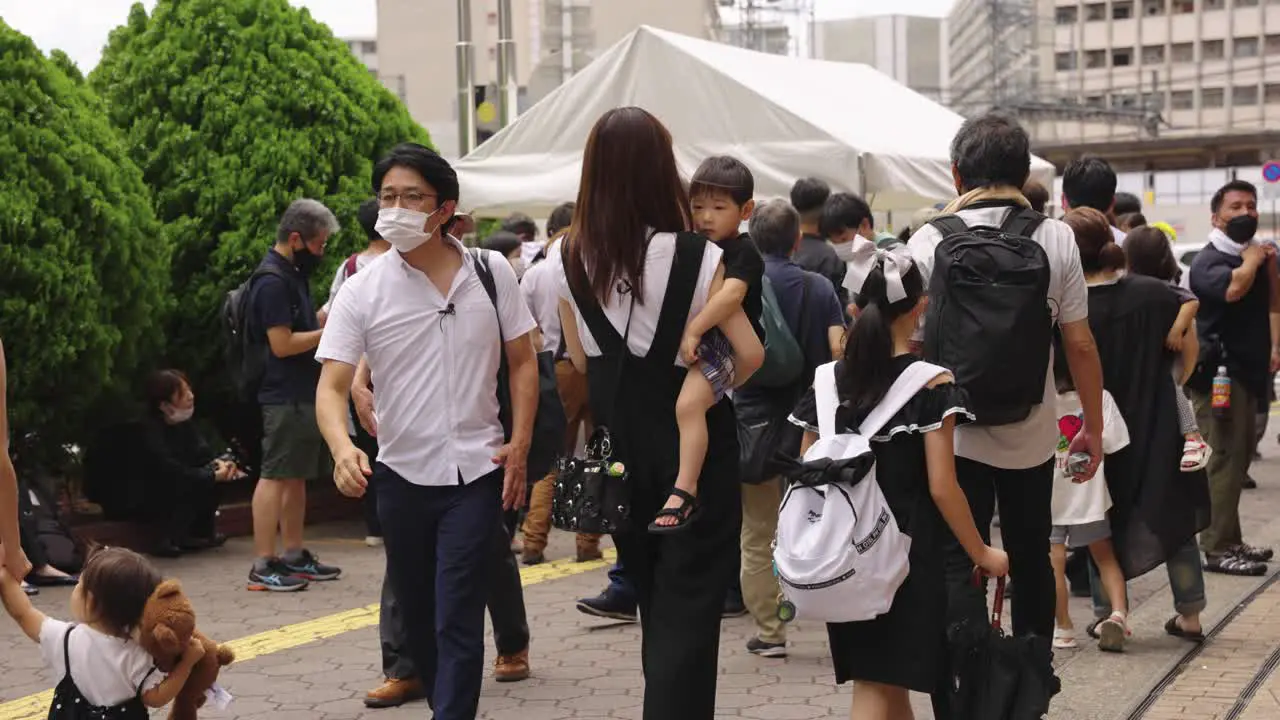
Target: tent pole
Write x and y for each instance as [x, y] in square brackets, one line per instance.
[507, 84]
[466, 81]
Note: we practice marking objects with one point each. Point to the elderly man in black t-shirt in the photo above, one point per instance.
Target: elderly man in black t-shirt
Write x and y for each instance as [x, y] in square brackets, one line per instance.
[1239, 327]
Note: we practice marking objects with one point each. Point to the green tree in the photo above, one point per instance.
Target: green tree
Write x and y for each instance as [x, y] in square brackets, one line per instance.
[83, 265]
[233, 108]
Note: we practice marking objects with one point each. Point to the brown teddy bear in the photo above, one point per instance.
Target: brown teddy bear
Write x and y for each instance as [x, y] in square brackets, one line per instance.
[168, 624]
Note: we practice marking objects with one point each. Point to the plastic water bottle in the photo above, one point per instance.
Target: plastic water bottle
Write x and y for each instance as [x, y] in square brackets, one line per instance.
[1221, 394]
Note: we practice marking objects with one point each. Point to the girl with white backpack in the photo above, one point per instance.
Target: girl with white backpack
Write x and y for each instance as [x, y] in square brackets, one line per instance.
[901, 649]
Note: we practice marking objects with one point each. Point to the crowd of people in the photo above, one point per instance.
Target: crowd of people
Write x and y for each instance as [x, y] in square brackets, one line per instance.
[417, 385]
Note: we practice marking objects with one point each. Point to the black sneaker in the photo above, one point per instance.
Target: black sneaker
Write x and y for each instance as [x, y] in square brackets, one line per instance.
[609, 605]
[733, 606]
[307, 566]
[756, 646]
[273, 576]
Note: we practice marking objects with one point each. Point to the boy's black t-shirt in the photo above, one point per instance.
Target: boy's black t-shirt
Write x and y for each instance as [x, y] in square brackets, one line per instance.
[743, 261]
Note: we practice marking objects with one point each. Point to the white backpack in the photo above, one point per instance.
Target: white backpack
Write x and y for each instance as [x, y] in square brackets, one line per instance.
[839, 554]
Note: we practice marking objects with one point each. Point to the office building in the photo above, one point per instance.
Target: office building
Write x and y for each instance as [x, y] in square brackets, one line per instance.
[553, 39]
[909, 49]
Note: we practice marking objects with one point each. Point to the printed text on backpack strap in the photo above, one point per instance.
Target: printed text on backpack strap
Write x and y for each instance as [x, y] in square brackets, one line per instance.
[1022, 222]
[949, 225]
[912, 380]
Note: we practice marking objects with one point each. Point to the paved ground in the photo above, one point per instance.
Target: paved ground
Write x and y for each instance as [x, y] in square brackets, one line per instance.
[313, 654]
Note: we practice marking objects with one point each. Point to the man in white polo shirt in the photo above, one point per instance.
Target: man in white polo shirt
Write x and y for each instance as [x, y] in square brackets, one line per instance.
[421, 317]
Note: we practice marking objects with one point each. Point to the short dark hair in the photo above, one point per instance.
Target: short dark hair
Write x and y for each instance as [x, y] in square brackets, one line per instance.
[808, 196]
[306, 217]
[723, 174]
[120, 581]
[1036, 194]
[1090, 182]
[520, 224]
[1132, 221]
[1149, 253]
[501, 241]
[1127, 203]
[992, 149]
[1234, 186]
[426, 162]
[367, 216]
[843, 210]
[775, 228]
[560, 218]
[162, 385]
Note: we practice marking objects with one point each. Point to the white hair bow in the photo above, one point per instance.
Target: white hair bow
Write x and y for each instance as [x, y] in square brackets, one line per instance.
[862, 256]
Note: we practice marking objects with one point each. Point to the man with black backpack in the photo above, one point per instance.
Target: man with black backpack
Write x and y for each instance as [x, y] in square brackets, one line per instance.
[1001, 276]
[282, 330]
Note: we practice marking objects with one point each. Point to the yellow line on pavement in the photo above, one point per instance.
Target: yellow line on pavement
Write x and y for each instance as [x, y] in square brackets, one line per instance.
[35, 707]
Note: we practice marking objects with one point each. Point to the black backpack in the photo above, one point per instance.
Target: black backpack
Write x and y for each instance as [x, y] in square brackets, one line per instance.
[989, 320]
[246, 349]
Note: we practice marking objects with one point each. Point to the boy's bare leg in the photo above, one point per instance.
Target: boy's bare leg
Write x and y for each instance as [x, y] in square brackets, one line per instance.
[696, 398]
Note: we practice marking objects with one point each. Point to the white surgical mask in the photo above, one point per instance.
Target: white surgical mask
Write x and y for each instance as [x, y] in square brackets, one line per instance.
[180, 415]
[405, 229]
[844, 251]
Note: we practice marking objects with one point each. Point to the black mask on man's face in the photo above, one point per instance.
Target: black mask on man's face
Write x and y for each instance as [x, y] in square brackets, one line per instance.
[305, 260]
[1242, 228]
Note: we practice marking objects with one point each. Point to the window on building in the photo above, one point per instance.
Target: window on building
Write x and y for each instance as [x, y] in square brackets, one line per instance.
[1182, 52]
[1095, 59]
[1095, 101]
[1152, 54]
[1064, 61]
[1152, 8]
[1244, 95]
[1124, 101]
[1211, 98]
[1122, 57]
[1182, 100]
[1272, 94]
[1066, 15]
[1121, 10]
[1214, 4]
[369, 47]
[1212, 50]
[1184, 7]
[1246, 3]
[1095, 11]
[1245, 47]
[1272, 45]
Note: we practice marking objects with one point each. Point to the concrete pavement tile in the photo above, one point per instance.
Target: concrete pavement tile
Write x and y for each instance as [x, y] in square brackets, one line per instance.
[782, 711]
[530, 691]
[601, 703]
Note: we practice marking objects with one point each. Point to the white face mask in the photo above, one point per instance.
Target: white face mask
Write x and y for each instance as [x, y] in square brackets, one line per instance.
[180, 415]
[405, 229]
[844, 251]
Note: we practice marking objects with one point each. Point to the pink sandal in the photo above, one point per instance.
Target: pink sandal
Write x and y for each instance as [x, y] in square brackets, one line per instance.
[1195, 455]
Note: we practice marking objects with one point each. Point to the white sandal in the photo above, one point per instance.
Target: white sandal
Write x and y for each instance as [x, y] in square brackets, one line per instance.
[1112, 633]
[1064, 638]
[1195, 455]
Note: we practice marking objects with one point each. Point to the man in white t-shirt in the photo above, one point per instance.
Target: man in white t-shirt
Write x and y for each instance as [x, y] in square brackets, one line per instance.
[1090, 182]
[433, 340]
[1014, 463]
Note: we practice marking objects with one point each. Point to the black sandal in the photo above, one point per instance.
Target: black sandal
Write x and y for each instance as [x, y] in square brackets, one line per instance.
[1234, 565]
[1173, 628]
[1249, 552]
[683, 513]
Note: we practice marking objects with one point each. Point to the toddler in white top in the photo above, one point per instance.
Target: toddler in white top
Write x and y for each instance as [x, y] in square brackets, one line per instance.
[102, 669]
[1079, 513]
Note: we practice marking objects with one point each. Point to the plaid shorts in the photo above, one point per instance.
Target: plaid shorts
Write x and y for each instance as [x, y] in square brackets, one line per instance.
[715, 359]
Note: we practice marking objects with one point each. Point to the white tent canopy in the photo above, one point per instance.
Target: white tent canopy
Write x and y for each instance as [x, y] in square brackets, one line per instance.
[784, 117]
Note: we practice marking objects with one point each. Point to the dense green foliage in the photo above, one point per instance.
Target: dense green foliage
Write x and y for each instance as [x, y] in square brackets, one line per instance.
[83, 265]
[233, 108]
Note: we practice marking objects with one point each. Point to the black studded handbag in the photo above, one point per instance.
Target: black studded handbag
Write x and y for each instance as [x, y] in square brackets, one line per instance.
[592, 493]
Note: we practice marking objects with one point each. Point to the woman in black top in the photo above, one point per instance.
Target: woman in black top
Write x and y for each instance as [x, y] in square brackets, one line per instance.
[182, 472]
[630, 278]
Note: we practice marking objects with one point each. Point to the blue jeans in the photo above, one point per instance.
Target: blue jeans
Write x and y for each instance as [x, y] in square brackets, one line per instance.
[1186, 582]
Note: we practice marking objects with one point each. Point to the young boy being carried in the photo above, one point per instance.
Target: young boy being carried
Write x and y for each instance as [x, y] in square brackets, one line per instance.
[720, 194]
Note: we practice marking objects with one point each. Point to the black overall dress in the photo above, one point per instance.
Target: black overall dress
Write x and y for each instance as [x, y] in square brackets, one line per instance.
[681, 579]
[70, 704]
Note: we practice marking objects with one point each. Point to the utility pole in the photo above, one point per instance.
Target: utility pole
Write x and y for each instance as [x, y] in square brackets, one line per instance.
[466, 81]
[507, 84]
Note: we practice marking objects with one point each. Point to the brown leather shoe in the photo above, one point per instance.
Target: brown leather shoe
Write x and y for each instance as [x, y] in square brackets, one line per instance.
[589, 555]
[512, 668]
[394, 692]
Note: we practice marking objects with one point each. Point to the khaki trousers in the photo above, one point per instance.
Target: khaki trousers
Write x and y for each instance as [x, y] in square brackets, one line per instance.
[759, 585]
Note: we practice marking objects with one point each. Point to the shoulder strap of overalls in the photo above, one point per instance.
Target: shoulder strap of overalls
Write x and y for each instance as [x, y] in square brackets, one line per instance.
[681, 286]
[602, 331]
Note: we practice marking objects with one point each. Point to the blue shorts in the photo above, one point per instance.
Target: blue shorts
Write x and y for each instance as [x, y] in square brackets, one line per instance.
[715, 359]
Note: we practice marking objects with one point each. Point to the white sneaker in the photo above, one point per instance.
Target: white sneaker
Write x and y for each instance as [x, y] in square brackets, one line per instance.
[373, 541]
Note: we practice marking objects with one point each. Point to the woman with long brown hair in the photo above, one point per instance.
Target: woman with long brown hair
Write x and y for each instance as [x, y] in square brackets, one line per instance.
[630, 280]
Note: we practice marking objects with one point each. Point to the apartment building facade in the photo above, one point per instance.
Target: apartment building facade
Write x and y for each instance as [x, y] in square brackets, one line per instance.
[416, 56]
[909, 49]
